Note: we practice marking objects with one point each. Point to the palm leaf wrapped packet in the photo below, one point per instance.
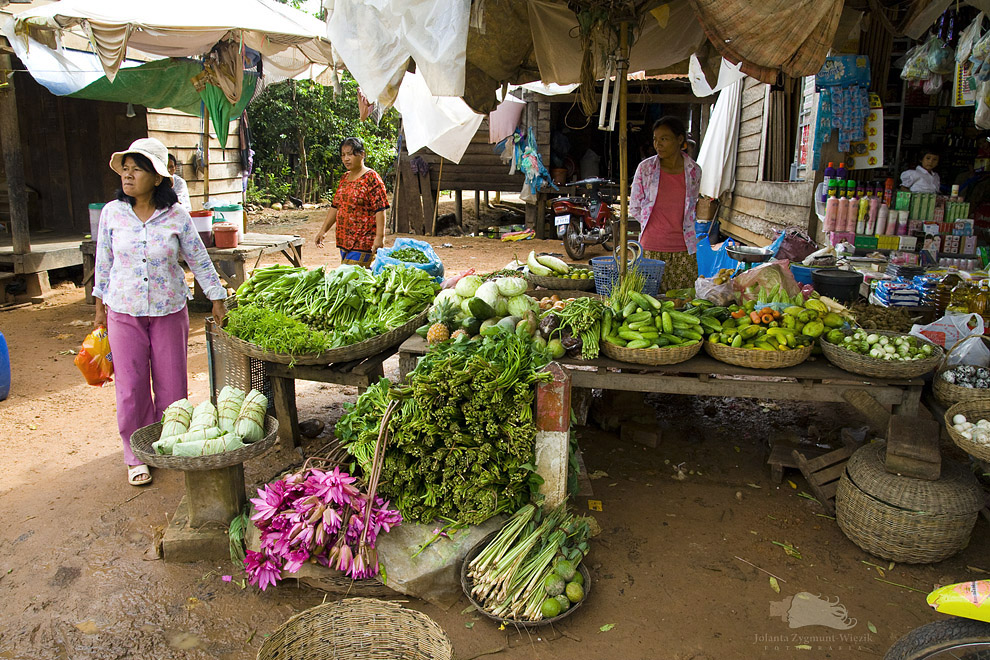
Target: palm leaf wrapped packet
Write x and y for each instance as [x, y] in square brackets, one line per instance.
[218, 445]
[204, 416]
[229, 407]
[167, 446]
[176, 418]
[250, 423]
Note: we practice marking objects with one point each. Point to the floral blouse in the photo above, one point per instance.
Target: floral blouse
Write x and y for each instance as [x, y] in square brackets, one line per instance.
[644, 195]
[137, 263]
[357, 202]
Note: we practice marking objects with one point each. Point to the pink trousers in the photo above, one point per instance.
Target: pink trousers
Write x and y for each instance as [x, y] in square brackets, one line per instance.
[149, 352]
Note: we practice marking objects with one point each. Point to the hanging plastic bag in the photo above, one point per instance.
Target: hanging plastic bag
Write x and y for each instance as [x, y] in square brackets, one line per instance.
[795, 245]
[941, 59]
[94, 359]
[711, 260]
[982, 117]
[916, 64]
[969, 37]
[434, 266]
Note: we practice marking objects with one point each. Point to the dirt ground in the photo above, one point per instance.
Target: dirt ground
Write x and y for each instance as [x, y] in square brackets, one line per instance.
[674, 572]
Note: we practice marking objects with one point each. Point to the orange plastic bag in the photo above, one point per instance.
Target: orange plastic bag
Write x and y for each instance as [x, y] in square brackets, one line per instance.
[94, 359]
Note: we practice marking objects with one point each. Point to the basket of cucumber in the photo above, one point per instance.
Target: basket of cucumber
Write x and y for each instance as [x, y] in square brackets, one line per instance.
[647, 331]
[652, 356]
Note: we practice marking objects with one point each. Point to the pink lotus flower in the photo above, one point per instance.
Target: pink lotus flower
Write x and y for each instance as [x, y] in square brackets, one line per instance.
[295, 560]
[344, 558]
[261, 571]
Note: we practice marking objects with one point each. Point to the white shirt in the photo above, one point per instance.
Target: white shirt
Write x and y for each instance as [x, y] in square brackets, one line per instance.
[920, 180]
[182, 192]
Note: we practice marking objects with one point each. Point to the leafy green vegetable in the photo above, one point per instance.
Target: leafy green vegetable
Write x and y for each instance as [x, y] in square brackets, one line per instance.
[583, 317]
[410, 255]
[274, 331]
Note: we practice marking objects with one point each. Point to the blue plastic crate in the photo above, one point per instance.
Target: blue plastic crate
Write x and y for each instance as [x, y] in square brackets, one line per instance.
[606, 271]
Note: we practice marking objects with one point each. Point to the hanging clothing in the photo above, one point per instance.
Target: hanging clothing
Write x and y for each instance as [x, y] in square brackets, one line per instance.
[643, 196]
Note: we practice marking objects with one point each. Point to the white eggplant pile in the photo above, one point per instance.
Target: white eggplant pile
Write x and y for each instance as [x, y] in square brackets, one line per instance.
[205, 429]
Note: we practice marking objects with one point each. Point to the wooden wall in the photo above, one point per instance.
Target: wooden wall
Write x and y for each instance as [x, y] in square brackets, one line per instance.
[756, 207]
[182, 133]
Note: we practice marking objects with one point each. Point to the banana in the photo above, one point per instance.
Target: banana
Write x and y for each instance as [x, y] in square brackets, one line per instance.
[816, 305]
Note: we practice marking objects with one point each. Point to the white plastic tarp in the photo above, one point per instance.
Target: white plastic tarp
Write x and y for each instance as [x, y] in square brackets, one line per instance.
[375, 40]
[182, 28]
[717, 155]
[443, 124]
[728, 73]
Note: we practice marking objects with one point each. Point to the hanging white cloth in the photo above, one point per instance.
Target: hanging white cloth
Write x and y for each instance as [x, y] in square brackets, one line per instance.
[717, 155]
[443, 124]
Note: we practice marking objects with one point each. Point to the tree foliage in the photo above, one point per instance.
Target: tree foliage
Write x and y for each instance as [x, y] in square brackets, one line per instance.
[291, 109]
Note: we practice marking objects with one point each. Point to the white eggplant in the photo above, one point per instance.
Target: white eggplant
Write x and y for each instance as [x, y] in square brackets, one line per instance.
[535, 267]
[553, 263]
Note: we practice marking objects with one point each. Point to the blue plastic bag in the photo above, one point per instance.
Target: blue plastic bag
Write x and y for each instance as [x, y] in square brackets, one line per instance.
[434, 267]
[711, 261]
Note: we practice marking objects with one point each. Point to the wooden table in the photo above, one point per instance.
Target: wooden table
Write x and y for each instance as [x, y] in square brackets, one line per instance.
[702, 375]
[231, 263]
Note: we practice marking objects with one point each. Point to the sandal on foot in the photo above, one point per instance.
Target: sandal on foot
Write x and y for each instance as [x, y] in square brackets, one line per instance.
[138, 475]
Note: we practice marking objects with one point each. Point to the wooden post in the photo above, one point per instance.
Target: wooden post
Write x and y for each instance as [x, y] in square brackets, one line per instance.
[623, 145]
[553, 423]
[10, 138]
[459, 206]
[477, 206]
[206, 155]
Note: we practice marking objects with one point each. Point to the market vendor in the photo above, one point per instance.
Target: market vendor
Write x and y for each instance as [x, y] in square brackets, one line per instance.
[663, 200]
[923, 178]
[358, 208]
[141, 292]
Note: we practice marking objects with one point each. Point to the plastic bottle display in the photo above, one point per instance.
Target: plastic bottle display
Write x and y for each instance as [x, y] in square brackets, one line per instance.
[840, 214]
[871, 220]
[960, 298]
[862, 213]
[943, 293]
[841, 171]
[882, 216]
[902, 224]
[831, 207]
[978, 299]
[888, 192]
[828, 179]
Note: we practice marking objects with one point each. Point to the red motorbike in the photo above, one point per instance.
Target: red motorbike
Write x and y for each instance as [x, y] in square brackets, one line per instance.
[585, 219]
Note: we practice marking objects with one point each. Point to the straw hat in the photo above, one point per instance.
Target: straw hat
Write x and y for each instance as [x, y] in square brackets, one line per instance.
[151, 149]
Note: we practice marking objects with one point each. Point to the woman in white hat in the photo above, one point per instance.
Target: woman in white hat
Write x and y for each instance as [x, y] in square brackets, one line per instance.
[141, 291]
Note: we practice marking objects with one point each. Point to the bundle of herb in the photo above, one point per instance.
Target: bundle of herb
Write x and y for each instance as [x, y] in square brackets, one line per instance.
[274, 331]
[410, 255]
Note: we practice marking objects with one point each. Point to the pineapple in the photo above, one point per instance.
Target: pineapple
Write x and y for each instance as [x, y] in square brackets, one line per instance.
[442, 316]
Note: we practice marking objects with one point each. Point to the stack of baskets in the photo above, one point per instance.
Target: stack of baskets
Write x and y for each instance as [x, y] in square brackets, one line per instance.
[358, 629]
[902, 519]
[948, 393]
[891, 369]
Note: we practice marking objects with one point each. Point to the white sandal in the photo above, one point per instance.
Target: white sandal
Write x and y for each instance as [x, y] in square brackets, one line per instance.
[134, 474]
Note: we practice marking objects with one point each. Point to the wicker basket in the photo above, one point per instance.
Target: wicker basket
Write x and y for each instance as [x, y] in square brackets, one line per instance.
[755, 358]
[356, 351]
[973, 411]
[561, 283]
[866, 366]
[949, 393]
[358, 629]
[651, 356]
[143, 438]
[903, 519]
[467, 586]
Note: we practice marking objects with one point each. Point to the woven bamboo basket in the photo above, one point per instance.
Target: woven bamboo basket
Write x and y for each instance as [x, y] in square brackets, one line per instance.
[561, 283]
[467, 585]
[866, 366]
[949, 393]
[651, 356]
[356, 351]
[142, 439]
[974, 411]
[757, 359]
[358, 629]
[902, 519]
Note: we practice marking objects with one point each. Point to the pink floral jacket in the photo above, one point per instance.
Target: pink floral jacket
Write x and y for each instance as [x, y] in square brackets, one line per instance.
[644, 194]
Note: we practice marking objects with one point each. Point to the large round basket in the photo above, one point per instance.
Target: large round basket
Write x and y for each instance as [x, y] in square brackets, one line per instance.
[866, 366]
[356, 351]
[902, 519]
[755, 358]
[358, 629]
[467, 585]
[651, 356]
[974, 411]
[949, 393]
[561, 283]
[142, 439]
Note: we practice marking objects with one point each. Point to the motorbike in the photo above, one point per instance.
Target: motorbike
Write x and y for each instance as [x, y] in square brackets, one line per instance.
[967, 636]
[586, 218]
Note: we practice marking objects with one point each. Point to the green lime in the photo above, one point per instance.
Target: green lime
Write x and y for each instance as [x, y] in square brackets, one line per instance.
[575, 592]
[579, 578]
[564, 602]
[554, 585]
[550, 608]
[564, 569]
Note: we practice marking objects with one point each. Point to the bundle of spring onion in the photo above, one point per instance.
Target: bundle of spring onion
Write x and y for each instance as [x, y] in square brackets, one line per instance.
[206, 430]
[530, 570]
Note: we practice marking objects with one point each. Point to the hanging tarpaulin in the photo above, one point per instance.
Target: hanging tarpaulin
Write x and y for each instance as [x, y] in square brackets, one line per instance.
[223, 111]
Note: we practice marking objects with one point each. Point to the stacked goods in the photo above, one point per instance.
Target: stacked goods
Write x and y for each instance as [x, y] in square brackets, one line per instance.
[203, 430]
[462, 440]
[475, 307]
[897, 348]
[530, 570]
[768, 329]
[338, 307]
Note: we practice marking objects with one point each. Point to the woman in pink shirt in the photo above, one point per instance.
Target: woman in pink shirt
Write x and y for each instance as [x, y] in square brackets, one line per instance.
[664, 199]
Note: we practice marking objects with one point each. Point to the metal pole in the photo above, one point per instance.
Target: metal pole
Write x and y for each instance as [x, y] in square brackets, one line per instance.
[623, 63]
[10, 136]
[206, 155]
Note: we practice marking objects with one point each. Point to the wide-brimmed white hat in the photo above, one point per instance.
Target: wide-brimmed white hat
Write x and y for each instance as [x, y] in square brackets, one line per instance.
[151, 149]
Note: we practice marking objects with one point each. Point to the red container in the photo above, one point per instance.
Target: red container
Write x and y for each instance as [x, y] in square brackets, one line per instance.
[224, 235]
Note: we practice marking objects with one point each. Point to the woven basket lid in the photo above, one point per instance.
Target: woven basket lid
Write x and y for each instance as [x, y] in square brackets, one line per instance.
[955, 492]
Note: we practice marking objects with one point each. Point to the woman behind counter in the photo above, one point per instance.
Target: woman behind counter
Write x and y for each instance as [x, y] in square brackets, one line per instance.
[141, 291]
[358, 208]
[664, 200]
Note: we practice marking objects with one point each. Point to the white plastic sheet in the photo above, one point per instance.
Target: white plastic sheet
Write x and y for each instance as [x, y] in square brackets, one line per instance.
[728, 73]
[443, 124]
[717, 155]
[375, 40]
